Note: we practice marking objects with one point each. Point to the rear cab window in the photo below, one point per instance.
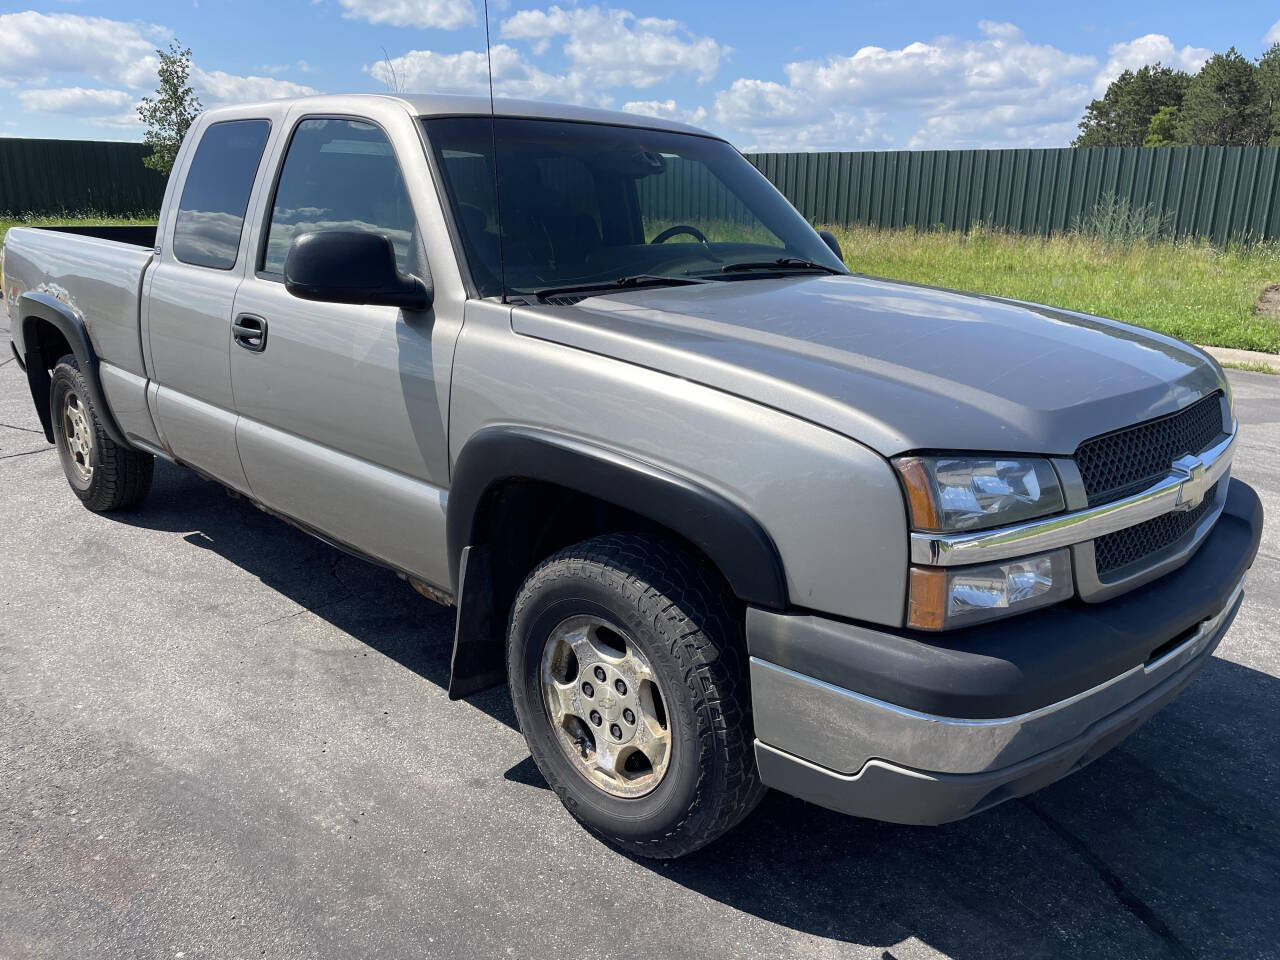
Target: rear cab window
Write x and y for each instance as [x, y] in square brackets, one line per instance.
[215, 195]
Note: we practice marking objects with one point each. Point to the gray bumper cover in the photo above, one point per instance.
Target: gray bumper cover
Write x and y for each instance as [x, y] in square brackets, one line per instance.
[1006, 758]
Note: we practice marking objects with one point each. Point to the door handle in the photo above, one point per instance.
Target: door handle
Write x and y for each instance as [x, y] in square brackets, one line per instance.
[250, 332]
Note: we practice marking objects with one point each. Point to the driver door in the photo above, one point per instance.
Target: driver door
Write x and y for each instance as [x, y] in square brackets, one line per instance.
[343, 408]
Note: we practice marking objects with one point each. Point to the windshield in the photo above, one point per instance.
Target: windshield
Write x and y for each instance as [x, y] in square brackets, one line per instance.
[585, 203]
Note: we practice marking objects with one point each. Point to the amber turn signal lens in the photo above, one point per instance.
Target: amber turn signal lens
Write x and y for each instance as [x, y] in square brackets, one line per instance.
[927, 606]
[919, 487]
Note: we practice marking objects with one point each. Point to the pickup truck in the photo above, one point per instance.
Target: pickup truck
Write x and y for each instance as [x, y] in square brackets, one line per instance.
[724, 515]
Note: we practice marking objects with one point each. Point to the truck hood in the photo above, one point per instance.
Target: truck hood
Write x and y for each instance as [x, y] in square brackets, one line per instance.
[893, 365]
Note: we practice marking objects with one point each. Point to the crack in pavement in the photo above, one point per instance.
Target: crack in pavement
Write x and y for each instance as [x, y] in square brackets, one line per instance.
[1135, 905]
[25, 453]
[333, 572]
[14, 426]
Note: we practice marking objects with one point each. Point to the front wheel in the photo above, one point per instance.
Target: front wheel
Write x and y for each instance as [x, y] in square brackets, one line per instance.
[629, 681]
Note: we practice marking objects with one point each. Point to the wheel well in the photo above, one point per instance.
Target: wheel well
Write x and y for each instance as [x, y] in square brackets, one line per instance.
[518, 523]
[528, 520]
[48, 341]
[44, 345]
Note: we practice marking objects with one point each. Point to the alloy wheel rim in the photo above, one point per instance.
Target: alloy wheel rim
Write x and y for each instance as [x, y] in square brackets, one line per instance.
[77, 437]
[606, 707]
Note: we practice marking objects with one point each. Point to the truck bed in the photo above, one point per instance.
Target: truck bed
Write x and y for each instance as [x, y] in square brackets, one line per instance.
[98, 271]
[138, 235]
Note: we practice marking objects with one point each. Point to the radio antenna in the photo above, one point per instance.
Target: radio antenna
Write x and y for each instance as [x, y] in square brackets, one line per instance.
[493, 144]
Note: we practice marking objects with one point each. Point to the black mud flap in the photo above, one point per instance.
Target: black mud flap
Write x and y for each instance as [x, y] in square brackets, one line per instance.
[478, 658]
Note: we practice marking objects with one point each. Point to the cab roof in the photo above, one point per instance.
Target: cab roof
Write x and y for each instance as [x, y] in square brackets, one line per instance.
[438, 105]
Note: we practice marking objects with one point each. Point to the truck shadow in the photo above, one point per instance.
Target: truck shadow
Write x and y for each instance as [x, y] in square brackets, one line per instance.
[359, 598]
[1168, 846]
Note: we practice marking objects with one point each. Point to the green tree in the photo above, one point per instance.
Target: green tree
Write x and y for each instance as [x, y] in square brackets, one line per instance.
[170, 113]
[1122, 116]
[1269, 91]
[1162, 131]
[1222, 106]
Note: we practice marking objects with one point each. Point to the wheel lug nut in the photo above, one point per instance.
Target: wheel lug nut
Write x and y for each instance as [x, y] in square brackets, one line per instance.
[596, 718]
[620, 687]
[628, 716]
[599, 672]
[615, 731]
[589, 690]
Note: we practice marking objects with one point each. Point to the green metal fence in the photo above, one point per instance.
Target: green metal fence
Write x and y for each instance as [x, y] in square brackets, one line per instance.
[52, 177]
[1223, 193]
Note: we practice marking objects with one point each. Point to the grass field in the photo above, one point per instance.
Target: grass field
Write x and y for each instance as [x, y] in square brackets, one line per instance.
[91, 221]
[1189, 290]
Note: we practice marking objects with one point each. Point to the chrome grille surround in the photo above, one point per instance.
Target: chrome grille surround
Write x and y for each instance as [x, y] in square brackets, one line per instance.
[1117, 552]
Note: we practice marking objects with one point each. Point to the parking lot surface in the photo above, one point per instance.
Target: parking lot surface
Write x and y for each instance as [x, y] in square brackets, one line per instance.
[221, 738]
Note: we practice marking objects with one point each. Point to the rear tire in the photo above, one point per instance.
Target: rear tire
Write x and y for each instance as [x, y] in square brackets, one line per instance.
[657, 756]
[103, 474]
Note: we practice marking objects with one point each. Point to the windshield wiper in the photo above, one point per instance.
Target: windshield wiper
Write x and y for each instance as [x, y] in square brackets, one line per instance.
[782, 263]
[622, 283]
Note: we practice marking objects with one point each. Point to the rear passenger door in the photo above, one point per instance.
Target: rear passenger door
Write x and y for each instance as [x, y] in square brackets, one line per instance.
[190, 295]
[342, 413]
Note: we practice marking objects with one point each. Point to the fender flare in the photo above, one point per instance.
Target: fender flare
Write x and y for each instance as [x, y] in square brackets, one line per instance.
[733, 540]
[42, 306]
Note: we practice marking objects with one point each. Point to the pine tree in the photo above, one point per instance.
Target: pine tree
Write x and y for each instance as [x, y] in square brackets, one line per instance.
[1122, 116]
[1222, 104]
[1269, 91]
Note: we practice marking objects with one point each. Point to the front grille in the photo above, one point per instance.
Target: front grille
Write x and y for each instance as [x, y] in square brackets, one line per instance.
[1124, 462]
[1118, 550]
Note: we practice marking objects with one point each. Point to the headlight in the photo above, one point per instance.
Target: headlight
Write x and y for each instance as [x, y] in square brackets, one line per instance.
[948, 494]
[943, 597]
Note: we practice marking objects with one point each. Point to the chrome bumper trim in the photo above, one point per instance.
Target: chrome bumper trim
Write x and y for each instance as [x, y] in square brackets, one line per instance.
[843, 730]
[1181, 489]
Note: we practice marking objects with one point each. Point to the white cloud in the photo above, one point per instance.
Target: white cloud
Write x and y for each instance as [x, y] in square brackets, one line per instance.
[78, 101]
[612, 48]
[998, 89]
[1151, 48]
[1272, 35]
[442, 14]
[666, 110]
[36, 45]
[216, 87]
[468, 72]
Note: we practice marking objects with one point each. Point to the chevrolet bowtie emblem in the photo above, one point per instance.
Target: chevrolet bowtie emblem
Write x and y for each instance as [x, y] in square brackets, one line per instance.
[1196, 484]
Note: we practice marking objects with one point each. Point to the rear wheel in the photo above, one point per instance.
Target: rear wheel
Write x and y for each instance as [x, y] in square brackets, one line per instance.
[103, 474]
[628, 677]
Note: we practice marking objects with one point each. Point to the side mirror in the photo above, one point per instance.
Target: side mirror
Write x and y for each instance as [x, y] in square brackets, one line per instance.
[830, 240]
[351, 266]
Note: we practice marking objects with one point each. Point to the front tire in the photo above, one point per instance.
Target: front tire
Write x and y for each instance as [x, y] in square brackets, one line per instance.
[628, 675]
[103, 474]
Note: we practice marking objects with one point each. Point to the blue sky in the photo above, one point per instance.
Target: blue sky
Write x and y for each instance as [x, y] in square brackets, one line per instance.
[791, 74]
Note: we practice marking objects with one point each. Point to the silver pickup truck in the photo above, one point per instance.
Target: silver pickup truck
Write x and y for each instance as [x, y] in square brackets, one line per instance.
[723, 515]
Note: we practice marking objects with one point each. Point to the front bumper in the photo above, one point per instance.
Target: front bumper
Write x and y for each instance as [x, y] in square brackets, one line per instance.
[916, 728]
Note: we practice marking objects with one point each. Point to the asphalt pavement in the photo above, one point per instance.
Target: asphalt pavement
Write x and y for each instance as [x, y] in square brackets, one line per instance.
[221, 738]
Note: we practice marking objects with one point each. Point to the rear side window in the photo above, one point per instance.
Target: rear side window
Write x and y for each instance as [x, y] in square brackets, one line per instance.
[339, 175]
[216, 193]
